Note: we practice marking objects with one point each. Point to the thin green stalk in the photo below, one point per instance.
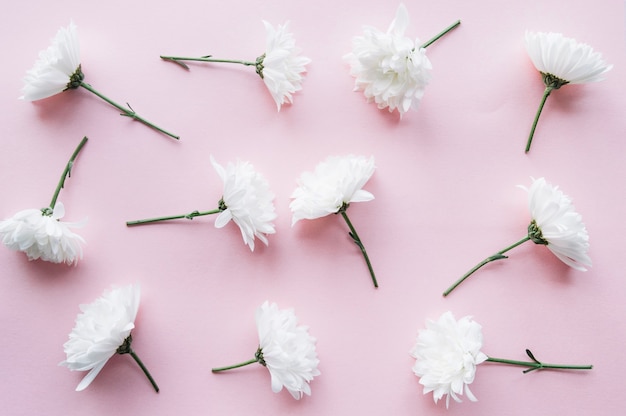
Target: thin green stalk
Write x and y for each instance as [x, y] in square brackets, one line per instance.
[538, 365]
[230, 367]
[441, 34]
[145, 370]
[357, 240]
[127, 112]
[208, 58]
[67, 172]
[498, 256]
[189, 216]
[546, 93]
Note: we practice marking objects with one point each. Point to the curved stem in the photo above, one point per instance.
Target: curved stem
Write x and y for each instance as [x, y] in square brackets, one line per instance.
[230, 367]
[128, 112]
[67, 172]
[189, 216]
[145, 370]
[208, 58]
[538, 365]
[357, 240]
[441, 34]
[498, 256]
[546, 93]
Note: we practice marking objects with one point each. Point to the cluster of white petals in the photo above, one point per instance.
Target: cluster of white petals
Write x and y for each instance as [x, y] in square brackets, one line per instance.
[447, 353]
[52, 71]
[391, 69]
[248, 200]
[283, 67]
[42, 236]
[336, 181]
[100, 330]
[565, 58]
[288, 351]
[559, 223]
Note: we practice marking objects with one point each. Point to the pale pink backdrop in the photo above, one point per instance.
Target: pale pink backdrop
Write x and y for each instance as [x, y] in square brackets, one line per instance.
[445, 189]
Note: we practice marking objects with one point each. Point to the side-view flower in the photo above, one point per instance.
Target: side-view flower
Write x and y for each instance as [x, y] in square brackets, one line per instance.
[59, 69]
[281, 67]
[330, 189]
[448, 352]
[554, 224]
[102, 330]
[562, 61]
[286, 349]
[40, 233]
[391, 69]
[246, 200]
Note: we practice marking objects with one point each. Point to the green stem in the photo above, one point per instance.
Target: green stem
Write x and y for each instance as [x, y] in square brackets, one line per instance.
[189, 216]
[208, 58]
[357, 240]
[538, 365]
[441, 34]
[145, 370]
[546, 93]
[128, 112]
[230, 367]
[67, 172]
[498, 256]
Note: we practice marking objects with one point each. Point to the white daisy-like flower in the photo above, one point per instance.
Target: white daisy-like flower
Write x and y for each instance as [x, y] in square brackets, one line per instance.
[286, 349]
[42, 236]
[561, 61]
[103, 328]
[447, 353]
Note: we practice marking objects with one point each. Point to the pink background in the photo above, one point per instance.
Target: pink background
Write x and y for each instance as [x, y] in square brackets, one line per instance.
[446, 197]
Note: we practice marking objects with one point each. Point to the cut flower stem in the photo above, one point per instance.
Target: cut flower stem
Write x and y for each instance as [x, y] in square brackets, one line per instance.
[538, 365]
[125, 348]
[67, 172]
[189, 216]
[357, 240]
[178, 60]
[546, 93]
[230, 367]
[441, 34]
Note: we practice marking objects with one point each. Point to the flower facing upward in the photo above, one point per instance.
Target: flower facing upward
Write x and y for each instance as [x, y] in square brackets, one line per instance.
[42, 236]
[247, 200]
[447, 353]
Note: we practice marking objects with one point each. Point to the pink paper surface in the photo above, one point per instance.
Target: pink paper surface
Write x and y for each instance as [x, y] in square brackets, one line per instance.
[445, 189]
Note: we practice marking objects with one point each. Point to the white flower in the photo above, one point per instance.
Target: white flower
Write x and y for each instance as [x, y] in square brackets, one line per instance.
[336, 182]
[56, 66]
[281, 67]
[286, 349]
[103, 326]
[247, 200]
[391, 69]
[565, 58]
[555, 222]
[42, 236]
[447, 353]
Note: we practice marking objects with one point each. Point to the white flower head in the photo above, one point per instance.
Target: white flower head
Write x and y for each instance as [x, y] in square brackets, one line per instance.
[286, 349]
[56, 68]
[391, 69]
[247, 201]
[43, 236]
[281, 66]
[447, 353]
[570, 61]
[556, 223]
[336, 182]
[103, 326]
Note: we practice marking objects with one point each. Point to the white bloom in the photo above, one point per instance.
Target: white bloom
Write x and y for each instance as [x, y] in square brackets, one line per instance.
[391, 69]
[565, 58]
[336, 181]
[558, 224]
[281, 67]
[247, 201]
[287, 350]
[101, 328]
[42, 236]
[55, 66]
[447, 353]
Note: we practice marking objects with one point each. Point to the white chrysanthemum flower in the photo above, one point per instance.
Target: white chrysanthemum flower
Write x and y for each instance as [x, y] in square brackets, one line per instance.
[556, 223]
[43, 236]
[101, 329]
[247, 201]
[55, 69]
[281, 67]
[335, 183]
[391, 69]
[447, 353]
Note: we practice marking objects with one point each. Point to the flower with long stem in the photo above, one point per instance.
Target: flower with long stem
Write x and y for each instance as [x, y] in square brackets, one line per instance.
[39, 232]
[391, 69]
[561, 61]
[280, 66]
[330, 189]
[554, 224]
[59, 69]
[246, 200]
